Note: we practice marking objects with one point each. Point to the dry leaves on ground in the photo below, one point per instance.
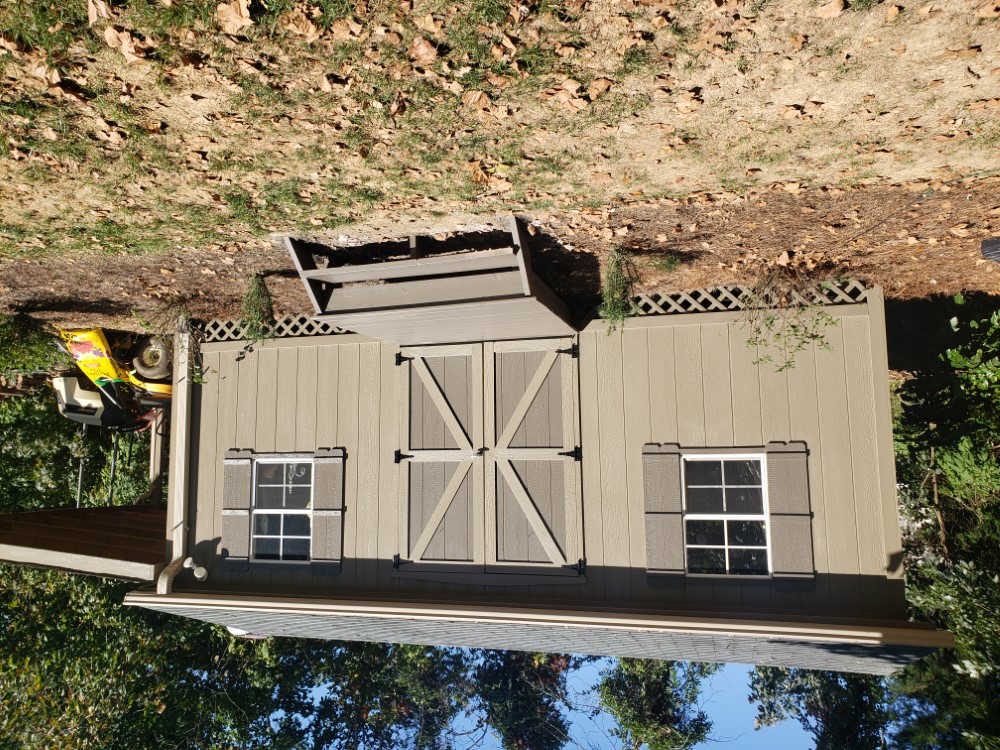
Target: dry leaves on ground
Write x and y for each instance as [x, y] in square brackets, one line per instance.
[124, 43]
[97, 9]
[233, 16]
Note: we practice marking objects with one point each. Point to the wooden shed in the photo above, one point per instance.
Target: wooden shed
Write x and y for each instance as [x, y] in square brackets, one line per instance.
[650, 492]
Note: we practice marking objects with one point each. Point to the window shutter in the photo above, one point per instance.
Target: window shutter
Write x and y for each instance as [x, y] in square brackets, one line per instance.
[237, 478]
[790, 518]
[661, 468]
[328, 504]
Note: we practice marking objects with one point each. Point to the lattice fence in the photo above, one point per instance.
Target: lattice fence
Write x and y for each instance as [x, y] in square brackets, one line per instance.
[735, 297]
[294, 326]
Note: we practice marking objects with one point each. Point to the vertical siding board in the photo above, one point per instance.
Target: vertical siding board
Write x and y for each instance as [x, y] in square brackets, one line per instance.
[363, 524]
[590, 408]
[774, 416]
[246, 402]
[286, 403]
[349, 377]
[209, 466]
[327, 385]
[614, 502]
[838, 470]
[229, 393]
[805, 425]
[864, 451]
[389, 510]
[745, 383]
[662, 385]
[305, 400]
[267, 404]
[689, 371]
[718, 394]
[638, 432]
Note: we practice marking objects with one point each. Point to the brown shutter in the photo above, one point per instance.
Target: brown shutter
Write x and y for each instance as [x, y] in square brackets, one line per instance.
[237, 478]
[328, 504]
[790, 517]
[661, 467]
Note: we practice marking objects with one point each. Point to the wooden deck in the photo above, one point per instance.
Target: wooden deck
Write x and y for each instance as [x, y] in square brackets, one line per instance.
[687, 379]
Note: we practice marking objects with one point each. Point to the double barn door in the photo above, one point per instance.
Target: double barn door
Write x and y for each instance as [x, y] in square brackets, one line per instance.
[491, 468]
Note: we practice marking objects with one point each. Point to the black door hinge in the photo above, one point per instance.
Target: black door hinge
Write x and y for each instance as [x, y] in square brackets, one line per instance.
[396, 561]
[576, 454]
[400, 359]
[400, 456]
[573, 351]
[580, 567]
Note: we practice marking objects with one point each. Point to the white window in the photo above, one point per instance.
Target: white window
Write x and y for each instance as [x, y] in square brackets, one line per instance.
[725, 515]
[282, 510]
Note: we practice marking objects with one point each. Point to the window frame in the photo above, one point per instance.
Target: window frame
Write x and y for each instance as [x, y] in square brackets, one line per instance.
[282, 459]
[764, 515]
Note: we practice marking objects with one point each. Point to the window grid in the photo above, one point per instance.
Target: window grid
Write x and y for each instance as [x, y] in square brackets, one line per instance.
[725, 517]
[286, 485]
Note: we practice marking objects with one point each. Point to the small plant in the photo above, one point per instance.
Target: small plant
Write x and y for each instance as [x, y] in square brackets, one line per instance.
[27, 345]
[258, 311]
[780, 320]
[668, 263]
[618, 290]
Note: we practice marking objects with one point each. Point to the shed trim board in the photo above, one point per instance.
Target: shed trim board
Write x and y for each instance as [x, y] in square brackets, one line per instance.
[77, 563]
[915, 635]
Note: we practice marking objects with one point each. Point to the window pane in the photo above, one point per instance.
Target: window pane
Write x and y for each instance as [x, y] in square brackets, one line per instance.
[704, 500]
[744, 500]
[706, 561]
[747, 533]
[267, 549]
[270, 473]
[705, 532]
[748, 562]
[296, 525]
[743, 472]
[299, 473]
[298, 497]
[269, 497]
[267, 524]
[703, 472]
[295, 549]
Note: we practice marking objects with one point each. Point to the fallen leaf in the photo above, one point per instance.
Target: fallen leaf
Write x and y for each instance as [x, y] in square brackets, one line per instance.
[571, 86]
[428, 23]
[124, 43]
[476, 99]
[43, 72]
[233, 16]
[598, 87]
[798, 41]
[296, 22]
[832, 9]
[689, 101]
[421, 51]
[97, 9]
[892, 11]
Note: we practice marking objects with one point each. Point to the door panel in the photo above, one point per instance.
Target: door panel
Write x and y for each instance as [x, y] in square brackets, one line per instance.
[485, 483]
[442, 472]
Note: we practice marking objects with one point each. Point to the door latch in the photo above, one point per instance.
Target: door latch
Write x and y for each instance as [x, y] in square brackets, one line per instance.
[576, 454]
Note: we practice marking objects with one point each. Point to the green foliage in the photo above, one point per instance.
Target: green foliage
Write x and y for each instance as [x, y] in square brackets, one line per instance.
[656, 702]
[838, 710]
[667, 263]
[28, 345]
[521, 694]
[618, 290]
[862, 5]
[257, 315]
[780, 323]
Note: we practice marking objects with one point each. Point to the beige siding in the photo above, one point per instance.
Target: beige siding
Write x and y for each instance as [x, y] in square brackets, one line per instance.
[666, 380]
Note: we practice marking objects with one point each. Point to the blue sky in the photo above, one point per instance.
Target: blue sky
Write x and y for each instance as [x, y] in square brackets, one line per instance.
[725, 701]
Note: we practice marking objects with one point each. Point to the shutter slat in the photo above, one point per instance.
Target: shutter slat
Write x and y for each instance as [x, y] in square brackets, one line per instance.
[237, 477]
[327, 535]
[328, 479]
[235, 544]
[328, 505]
[661, 465]
[790, 517]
